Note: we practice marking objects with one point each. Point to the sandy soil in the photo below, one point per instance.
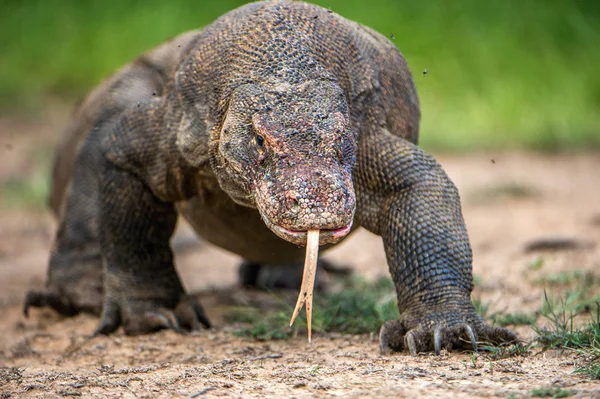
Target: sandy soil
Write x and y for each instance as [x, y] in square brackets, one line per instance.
[510, 199]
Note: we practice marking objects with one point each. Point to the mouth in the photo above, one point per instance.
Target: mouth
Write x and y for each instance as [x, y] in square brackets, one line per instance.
[326, 236]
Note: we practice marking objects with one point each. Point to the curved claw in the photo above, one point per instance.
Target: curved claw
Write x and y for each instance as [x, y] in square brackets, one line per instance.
[40, 299]
[200, 316]
[162, 320]
[110, 320]
[190, 314]
[173, 322]
[471, 335]
[409, 342]
[156, 320]
[437, 340]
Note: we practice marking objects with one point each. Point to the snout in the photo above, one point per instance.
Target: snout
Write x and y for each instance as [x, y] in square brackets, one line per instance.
[303, 200]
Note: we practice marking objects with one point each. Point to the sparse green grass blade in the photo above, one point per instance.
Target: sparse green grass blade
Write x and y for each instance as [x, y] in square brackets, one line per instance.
[356, 307]
[546, 392]
[559, 324]
[562, 334]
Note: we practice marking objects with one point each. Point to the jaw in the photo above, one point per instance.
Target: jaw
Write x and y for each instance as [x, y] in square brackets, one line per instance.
[298, 237]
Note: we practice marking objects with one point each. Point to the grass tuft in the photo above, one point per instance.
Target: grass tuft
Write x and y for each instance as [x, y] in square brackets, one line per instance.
[355, 307]
[562, 334]
[498, 352]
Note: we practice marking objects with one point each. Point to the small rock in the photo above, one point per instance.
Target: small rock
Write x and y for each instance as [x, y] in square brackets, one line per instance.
[557, 243]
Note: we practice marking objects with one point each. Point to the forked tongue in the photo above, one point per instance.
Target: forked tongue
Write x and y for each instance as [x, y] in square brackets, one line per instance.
[308, 279]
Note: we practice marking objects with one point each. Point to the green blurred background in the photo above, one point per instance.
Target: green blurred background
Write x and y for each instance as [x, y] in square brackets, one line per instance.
[501, 74]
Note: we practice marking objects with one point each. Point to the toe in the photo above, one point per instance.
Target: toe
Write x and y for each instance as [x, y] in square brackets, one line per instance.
[110, 320]
[410, 341]
[160, 320]
[498, 335]
[191, 314]
[200, 315]
[391, 336]
[48, 298]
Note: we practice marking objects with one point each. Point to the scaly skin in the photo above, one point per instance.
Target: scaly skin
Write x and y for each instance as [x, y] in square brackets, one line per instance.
[278, 118]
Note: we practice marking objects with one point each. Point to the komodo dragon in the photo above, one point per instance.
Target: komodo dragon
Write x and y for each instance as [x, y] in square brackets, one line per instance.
[278, 118]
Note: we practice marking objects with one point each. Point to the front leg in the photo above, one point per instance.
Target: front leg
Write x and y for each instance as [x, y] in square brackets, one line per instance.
[139, 179]
[404, 196]
[143, 290]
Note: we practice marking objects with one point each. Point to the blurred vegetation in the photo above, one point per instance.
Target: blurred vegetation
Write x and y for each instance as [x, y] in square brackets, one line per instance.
[500, 73]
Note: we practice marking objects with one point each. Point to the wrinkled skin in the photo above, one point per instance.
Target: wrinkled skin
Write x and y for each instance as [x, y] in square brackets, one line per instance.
[278, 118]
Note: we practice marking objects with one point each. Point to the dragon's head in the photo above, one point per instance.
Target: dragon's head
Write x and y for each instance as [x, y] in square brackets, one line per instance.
[288, 150]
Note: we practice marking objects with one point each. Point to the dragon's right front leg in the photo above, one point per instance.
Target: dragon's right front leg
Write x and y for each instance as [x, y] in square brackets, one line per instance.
[143, 290]
[115, 221]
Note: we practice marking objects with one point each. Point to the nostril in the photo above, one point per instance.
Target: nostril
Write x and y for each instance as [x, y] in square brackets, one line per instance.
[292, 202]
[293, 205]
[291, 195]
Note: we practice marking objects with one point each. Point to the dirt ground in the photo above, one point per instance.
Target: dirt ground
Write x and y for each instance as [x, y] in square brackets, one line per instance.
[510, 199]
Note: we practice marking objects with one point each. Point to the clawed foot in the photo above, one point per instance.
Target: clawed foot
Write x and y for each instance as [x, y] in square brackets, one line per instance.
[425, 337]
[146, 316]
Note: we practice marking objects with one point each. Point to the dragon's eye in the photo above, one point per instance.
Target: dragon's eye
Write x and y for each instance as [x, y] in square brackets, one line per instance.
[260, 141]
